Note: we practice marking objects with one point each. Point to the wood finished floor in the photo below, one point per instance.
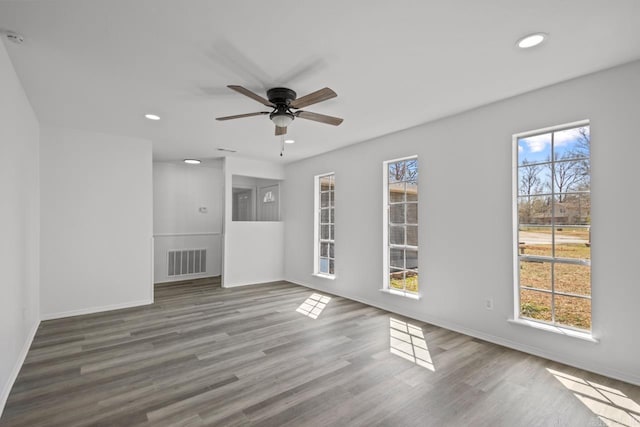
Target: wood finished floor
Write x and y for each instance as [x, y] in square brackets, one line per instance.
[202, 355]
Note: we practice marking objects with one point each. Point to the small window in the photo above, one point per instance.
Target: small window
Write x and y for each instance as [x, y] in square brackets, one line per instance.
[401, 225]
[552, 205]
[324, 253]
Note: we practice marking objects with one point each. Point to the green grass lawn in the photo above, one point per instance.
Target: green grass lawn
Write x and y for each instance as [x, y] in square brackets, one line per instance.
[409, 284]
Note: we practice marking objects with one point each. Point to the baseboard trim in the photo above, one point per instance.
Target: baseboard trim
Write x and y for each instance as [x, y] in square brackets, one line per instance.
[536, 351]
[93, 310]
[16, 368]
[236, 285]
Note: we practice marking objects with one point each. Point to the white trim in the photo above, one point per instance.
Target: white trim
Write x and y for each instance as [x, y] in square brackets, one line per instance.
[325, 276]
[93, 310]
[385, 219]
[206, 233]
[239, 284]
[404, 294]
[556, 128]
[316, 223]
[515, 226]
[580, 364]
[555, 329]
[18, 365]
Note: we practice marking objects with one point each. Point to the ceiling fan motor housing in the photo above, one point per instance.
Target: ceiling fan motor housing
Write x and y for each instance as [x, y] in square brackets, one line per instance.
[281, 95]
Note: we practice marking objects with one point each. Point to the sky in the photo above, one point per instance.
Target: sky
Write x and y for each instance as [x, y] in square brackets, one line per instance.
[538, 148]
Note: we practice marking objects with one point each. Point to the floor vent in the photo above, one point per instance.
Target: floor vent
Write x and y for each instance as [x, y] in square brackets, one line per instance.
[187, 261]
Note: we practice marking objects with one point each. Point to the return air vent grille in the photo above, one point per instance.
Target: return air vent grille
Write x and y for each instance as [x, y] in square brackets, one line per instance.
[187, 261]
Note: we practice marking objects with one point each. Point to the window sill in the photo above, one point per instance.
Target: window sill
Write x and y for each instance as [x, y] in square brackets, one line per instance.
[325, 276]
[401, 294]
[586, 336]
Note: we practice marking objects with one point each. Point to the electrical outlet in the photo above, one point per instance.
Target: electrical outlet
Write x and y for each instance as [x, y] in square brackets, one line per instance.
[488, 303]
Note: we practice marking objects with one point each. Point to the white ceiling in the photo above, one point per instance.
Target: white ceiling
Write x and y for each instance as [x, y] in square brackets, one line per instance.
[102, 64]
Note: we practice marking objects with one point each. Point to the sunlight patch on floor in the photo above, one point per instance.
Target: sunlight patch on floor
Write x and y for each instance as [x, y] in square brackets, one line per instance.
[313, 305]
[407, 341]
[610, 405]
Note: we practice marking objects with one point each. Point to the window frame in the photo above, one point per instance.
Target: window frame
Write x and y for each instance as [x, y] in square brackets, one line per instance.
[386, 245]
[317, 223]
[553, 325]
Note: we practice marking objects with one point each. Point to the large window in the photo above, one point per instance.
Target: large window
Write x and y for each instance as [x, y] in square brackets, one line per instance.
[324, 253]
[401, 225]
[553, 228]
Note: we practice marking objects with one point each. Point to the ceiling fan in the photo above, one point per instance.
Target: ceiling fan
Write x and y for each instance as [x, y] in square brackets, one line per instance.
[283, 101]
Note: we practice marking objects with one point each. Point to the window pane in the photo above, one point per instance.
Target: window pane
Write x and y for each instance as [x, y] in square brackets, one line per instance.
[572, 143]
[396, 235]
[568, 177]
[331, 266]
[412, 191]
[535, 305]
[324, 249]
[324, 200]
[396, 279]
[331, 250]
[324, 232]
[534, 149]
[412, 235]
[396, 192]
[535, 274]
[573, 242]
[411, 172]
[326, 183]
[324, 216]
[396, 258]
[397, 171]
[534, 210]
[572, 279]
[324, 265]
[332, 215]
[572, 311]
[411, 259]
[331, 232]
[534, 179]
[412, 213]
[396, 214]
[534, 241]
[411, 280]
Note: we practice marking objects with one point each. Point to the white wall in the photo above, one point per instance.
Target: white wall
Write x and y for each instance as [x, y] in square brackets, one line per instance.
[253, 250]
[466, 255]
[96, 222]
[19, 225]
[179, 191]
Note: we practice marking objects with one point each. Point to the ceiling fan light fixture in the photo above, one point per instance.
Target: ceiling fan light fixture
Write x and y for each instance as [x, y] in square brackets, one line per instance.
[281, 119]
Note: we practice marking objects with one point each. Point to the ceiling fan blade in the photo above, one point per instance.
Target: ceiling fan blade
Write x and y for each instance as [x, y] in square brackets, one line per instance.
[313, 98]
[330, 120]
[280, 131]
[239, 116]
[255, 96]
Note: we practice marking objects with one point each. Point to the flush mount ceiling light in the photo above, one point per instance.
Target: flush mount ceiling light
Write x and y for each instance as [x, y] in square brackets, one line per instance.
[289, 141]
[531, 40]
[152, 117]
[192, 161]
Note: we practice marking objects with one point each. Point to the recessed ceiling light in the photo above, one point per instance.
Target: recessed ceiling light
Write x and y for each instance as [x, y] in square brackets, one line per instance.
[289, 141]
[531, 40]
[192, 161]
[152, 117]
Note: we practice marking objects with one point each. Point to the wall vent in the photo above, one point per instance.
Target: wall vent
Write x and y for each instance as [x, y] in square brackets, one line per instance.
[187, 261]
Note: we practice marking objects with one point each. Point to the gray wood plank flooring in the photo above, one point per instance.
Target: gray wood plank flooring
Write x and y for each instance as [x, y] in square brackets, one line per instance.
[277, 355]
